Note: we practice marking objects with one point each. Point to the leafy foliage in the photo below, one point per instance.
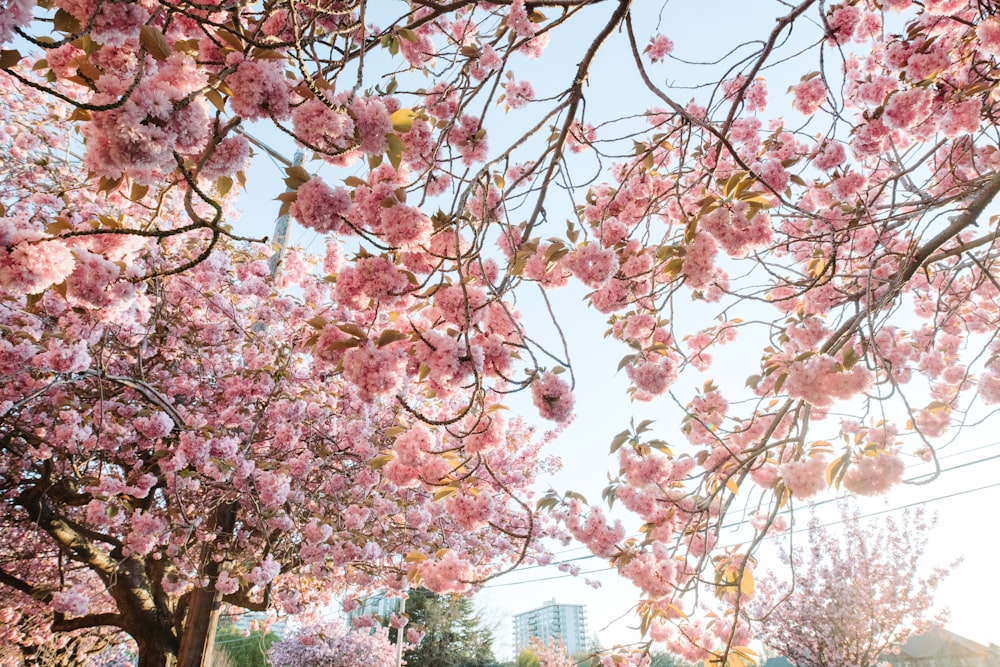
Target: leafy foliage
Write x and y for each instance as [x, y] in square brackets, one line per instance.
[452, 631]
[244, 649]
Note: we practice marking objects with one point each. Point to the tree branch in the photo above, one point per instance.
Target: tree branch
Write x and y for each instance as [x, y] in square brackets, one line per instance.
[63, 624]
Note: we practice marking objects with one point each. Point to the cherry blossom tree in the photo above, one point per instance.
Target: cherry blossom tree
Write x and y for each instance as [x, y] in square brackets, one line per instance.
[856, 594]
[174, 442]
[841, 234]
[334, 645]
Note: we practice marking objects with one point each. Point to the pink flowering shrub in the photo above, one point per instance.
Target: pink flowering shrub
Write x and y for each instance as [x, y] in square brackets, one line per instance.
[332, 644]
[863, 564]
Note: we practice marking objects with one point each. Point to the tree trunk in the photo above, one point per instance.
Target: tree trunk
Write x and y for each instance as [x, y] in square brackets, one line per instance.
[154, 653]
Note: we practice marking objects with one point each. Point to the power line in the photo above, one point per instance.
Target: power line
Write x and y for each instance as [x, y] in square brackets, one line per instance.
[832, 523]
[742, 521]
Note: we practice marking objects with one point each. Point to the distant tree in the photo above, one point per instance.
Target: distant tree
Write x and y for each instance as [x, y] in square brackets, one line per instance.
[332, 644]
[453, 632]
[667, 660]
[547, 654]
[857, 592]
[526, 658]
[243, 649]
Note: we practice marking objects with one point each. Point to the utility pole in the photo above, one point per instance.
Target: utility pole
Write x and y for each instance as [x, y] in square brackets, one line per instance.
[399, 632]
[280, 242]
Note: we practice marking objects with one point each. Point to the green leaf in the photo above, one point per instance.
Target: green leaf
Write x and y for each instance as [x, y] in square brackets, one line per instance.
[395, 150]
[619, 440]
[402, 119]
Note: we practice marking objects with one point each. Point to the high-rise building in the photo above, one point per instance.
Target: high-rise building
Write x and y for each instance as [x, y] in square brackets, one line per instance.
[565, 622]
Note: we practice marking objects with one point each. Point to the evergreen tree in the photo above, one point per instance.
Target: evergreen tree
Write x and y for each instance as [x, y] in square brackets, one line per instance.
[454, 635]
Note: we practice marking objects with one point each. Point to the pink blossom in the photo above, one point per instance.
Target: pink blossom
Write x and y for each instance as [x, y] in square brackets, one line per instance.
[756, 95]
[145, 532]
[228, 157]
[804, 478]
[988, 32]
[420, 50]
[906, 108]
[809, 95]
[490, 433]
[355, 517]
[831, 155]
[961, 118]
[469, 139]
[461, 304]
[581, 137]
[65, 60]
[320, 207]
[592, 264]
[612, 296]
[227, 584]
[601, 538]
[849, 186]
[653, 376]
[371, 118]
[442, 100]
[156, 425]
[945, 7]
[488, 61]
[552, 397]
[821, 380]
[376, 372]
[330, 131]
[259, 90]
[933, 423]
[140, 137]
[534, 47]
[115, 23]
[60, 357]
[375, 278]
[32, 268]
[405, 226]
[264, 572]
[842, 21]
[518, 93]
[549, 272]
[70, 601]
[870, 138]
[518, 20]
[15, 14]
[658, 48]
[272, 487]
[873, 475]
[447, 574]
[989, 385]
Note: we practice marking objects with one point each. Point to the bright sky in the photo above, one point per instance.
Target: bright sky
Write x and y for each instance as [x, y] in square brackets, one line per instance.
[963, 496]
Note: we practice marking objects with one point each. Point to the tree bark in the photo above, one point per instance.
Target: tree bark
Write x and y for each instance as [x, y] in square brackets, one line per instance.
[153, 653]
